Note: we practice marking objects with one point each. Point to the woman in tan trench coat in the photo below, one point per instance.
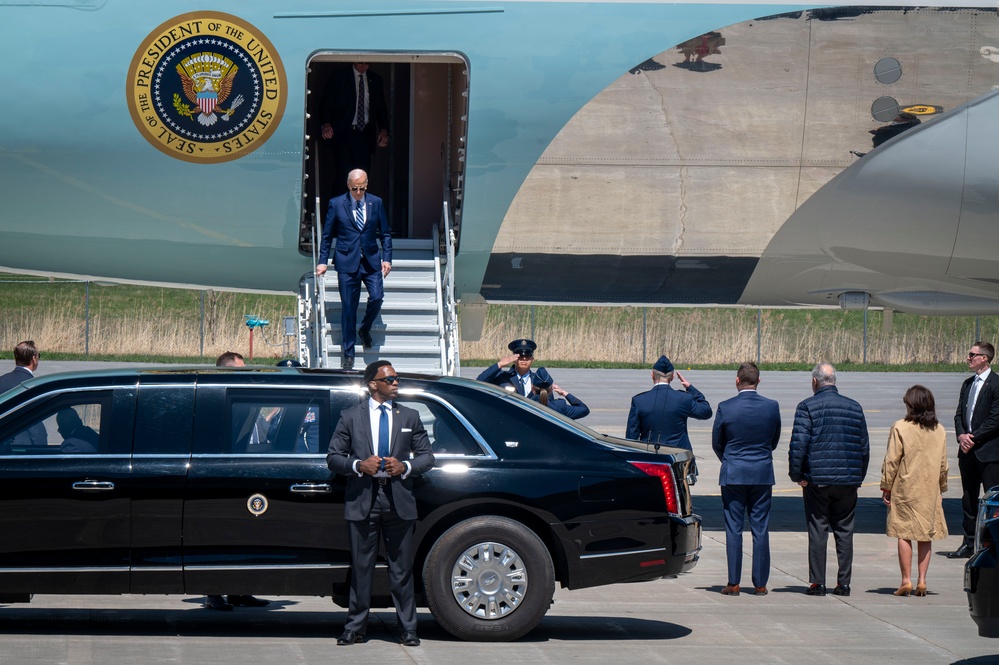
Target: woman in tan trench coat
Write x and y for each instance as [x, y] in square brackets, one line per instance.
[913, 480]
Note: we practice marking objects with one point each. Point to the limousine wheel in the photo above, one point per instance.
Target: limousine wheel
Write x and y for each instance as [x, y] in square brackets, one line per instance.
[489, 579]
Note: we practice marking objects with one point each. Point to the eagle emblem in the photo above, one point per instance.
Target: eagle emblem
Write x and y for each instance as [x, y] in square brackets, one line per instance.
[207, 81]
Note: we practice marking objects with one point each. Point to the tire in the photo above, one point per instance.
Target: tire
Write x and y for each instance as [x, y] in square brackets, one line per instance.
[489, 579]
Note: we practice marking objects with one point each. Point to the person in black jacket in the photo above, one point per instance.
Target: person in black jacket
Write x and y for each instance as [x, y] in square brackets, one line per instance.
[828, 457]
[976, 424]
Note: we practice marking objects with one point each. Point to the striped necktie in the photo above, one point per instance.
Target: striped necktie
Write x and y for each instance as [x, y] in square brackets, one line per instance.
[359, 215]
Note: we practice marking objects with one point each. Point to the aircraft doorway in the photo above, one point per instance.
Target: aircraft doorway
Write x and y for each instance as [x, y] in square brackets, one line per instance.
[426, 97]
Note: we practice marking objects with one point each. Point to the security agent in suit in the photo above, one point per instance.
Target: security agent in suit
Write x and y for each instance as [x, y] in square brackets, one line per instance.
[519, 375]
[380, 447]
[357, 221]
[659, 416]
[544, 386]
[744, 436]
[354, 129]
[977, 426]
[26, 357]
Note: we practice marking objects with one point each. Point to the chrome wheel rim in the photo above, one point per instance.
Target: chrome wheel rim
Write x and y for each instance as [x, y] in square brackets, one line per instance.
[489, 581]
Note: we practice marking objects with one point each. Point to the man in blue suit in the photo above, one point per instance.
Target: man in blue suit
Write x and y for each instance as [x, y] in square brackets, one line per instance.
[659, 416]
[357, 221]
[745, 434]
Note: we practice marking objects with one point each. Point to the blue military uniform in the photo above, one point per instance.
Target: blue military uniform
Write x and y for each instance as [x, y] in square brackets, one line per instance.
[499, 377]
[660, 415]
[571, 406]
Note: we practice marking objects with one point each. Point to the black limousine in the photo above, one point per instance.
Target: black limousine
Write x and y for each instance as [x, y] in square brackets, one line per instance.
[214, 481]
[981, 573]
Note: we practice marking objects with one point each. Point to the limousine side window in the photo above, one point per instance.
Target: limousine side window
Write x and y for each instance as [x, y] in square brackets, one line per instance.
[447, 435]
[68, 425]
[285, 424]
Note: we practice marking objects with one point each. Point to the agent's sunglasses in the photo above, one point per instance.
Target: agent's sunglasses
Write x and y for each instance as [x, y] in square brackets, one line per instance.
[388, 379]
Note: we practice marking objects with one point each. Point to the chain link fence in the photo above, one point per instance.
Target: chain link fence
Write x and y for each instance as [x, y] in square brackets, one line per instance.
[92, 318]
[730, 335]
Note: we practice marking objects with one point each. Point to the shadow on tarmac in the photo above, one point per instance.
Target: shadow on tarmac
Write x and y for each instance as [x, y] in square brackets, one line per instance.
[270, 622]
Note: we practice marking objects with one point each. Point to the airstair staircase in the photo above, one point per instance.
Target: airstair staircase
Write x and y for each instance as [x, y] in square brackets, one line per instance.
[417, 326]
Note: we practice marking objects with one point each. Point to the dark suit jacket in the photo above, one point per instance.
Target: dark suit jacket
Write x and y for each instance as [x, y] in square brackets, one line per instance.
[660, 415]
[985, 419]
[339, 103]
[15, 377]
[353, 243]
[744, 436]
[352, 441]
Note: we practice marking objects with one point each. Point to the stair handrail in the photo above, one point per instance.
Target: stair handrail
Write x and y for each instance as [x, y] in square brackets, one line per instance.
[319, 334]
[452, 358]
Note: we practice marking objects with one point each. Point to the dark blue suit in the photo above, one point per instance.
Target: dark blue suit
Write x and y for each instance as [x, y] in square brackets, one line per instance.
[498, 377]
[745, 434]
[660, 415]
[570, 407]
[356, 258]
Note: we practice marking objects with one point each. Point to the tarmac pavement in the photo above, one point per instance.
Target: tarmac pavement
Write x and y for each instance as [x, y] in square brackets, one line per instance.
[684, 620]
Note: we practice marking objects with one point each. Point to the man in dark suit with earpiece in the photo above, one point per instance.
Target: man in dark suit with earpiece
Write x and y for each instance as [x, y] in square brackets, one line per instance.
[380, 447]
[976, 424]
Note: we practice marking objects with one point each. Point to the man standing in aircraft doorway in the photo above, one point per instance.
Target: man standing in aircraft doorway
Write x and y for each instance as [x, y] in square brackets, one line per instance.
[354, 117]
[357, 220]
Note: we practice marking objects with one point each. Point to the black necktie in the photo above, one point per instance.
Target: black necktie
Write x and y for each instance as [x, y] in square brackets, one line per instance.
[360, 103]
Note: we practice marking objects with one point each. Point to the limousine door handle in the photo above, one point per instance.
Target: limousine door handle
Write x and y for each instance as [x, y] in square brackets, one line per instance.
[311, 488]
[93, 485]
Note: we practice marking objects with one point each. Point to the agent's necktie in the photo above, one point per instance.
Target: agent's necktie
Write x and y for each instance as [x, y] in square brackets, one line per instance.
[361, 120]
[359, 214]
[383, 432]
[972, 398]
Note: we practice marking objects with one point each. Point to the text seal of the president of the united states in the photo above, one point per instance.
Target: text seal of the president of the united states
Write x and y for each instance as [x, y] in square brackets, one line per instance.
[206, 87]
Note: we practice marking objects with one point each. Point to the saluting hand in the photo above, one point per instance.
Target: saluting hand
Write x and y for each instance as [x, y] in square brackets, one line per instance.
[506, 360]
[683, 382]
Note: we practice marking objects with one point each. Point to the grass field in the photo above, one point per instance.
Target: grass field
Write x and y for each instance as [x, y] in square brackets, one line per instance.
[160, 324]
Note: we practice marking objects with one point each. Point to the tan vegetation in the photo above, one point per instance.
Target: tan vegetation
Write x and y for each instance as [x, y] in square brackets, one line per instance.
[716, 336]
[159, 322]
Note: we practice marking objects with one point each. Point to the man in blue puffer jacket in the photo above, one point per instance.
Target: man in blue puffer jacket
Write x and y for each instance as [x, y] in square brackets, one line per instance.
[828, 457]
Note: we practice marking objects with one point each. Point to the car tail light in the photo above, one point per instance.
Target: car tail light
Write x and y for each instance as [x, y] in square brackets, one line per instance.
[988, 513]
[665, 474]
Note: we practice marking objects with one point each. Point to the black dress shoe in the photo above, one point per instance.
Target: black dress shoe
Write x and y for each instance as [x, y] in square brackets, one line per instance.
[816, 590]
[349, 637]
[366, 340]
[217, 603]
[247, 601]
[347, 362]
[962, 552]
[841, 590]
[409, 638]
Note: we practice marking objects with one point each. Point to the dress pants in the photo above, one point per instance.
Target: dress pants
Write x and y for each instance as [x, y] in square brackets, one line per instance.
[363, 537]
[737, 500]
[349, 285]
[830, 508]
[975, 476]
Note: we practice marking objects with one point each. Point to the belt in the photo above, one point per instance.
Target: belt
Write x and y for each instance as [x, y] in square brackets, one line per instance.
[381, 481]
